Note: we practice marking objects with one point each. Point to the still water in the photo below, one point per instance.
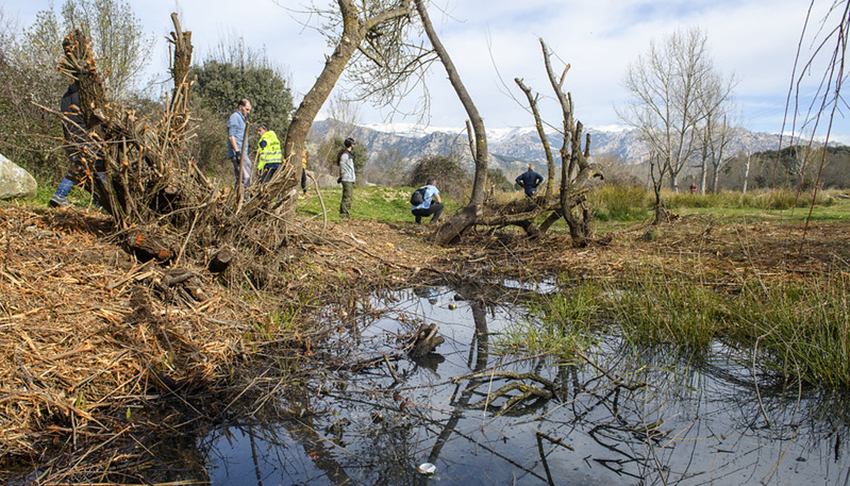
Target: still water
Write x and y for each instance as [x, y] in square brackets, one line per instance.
[634, 417]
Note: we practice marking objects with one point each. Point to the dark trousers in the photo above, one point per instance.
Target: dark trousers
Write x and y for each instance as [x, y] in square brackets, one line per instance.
[347, 196]
[267, 172]
[436, 209]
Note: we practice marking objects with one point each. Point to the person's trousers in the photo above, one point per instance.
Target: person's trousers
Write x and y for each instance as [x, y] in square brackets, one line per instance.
[65, 187]
[246, 170]
[436, 209]
[69, 182]
[347, 196]
[267, 172]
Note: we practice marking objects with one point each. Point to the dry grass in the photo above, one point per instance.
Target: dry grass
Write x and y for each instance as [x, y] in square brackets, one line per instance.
[87, 331]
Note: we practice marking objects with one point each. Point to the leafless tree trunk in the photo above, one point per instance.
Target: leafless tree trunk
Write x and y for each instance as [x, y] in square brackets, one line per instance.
[575, 169]
[538, 122]
[657, 169]
[715, 110]
[478, 141]
[356, 25]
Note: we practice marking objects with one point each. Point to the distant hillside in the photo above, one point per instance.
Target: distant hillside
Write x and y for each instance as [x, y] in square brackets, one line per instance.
[511, 149]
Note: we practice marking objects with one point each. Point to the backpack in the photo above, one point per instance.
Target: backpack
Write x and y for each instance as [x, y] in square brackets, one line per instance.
[418, 197]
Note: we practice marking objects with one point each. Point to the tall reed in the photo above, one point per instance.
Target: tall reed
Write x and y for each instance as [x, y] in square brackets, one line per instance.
[655, 308]
[765, 199]
[800, 328]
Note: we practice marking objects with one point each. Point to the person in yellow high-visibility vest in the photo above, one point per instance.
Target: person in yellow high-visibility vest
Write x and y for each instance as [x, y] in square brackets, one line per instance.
[304, 172]
[268, 153]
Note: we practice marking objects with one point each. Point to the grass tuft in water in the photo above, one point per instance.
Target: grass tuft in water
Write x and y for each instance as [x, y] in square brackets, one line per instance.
[655, 309]
[799, 329]
[558, 325]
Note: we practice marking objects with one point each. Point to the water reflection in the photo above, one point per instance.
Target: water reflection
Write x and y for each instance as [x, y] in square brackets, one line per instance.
[635, 417]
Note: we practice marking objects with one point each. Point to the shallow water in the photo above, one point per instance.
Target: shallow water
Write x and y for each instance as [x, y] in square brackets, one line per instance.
[638, 417]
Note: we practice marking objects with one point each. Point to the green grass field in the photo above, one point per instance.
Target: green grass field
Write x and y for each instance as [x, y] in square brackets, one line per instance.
[613, 207]
[373, 203]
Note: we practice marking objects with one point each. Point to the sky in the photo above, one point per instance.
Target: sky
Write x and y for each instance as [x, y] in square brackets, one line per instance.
[494, 41]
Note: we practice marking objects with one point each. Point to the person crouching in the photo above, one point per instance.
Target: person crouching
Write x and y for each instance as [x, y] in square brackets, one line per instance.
[431, 204]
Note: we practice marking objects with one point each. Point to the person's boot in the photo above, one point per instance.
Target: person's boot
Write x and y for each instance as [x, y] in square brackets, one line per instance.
[60, 197]
[58, 202]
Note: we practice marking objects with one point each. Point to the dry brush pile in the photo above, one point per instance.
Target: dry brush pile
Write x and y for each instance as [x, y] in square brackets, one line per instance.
[103, 316]
[87, 333]
[163, 205]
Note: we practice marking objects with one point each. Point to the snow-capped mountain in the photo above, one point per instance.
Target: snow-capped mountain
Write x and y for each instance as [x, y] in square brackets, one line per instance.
[511, 149]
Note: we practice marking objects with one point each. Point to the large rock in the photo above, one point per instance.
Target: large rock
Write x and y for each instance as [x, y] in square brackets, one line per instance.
[15, 182]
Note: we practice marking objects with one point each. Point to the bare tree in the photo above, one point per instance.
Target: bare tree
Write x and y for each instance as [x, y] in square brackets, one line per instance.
[715, 106]
[359, 20]
[669, 87]
[827, 100]
[658, 166]
[533, 101]
[716, 135]
[477, 137]
[576, 170]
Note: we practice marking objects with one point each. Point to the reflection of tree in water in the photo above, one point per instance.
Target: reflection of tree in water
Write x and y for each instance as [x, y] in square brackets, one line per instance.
[645, 415]
[657, 421]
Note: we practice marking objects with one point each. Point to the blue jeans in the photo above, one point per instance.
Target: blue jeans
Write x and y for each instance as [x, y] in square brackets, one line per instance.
[267, 172]
[69, 182]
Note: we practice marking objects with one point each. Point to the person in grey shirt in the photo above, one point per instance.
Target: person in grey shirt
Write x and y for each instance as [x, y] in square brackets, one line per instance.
[345, 158]
[236, 133]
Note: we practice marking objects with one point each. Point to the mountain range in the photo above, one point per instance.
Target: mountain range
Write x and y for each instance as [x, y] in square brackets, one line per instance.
[512, 149]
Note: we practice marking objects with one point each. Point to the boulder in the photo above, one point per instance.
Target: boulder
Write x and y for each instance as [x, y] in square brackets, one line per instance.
[15, 182]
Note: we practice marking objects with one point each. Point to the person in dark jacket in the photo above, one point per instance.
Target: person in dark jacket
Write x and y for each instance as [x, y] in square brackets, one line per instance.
[529, 180]
[74, 133]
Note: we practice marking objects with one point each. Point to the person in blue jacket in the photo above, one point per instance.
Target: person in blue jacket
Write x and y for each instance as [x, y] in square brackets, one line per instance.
[432, 204]
[529, 180]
